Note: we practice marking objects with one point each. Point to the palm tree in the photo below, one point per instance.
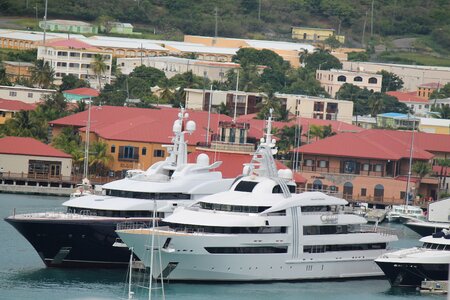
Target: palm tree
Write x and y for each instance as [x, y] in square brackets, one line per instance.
[99, 67]
[444, 163]
[42, 74]
[269, 101]
[376, 104]
[421, 168]
[315, 131]
[441, 112]
[99, 158]
[25, 124]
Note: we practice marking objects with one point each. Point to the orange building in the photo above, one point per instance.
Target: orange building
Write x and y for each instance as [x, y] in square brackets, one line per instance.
[135, 137]
[425, 90]
[16, 70]
[372, 165]
[9, 107]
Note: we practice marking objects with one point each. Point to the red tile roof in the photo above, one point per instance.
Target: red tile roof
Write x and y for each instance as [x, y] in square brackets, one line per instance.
[379, 144]
[407, 97]
[15, 105]
[233, 163]
[141, 124]
[83, 92]
[257, 126]
[71, 43]
[28, 146]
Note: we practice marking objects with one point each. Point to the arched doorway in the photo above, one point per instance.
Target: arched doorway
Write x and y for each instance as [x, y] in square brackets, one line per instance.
[317, 185]
[378, 192]
[348, 190]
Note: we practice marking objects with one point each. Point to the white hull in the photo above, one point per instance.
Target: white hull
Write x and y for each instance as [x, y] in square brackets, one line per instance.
[193, 263]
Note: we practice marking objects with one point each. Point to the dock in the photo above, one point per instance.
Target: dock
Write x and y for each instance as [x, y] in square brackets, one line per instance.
[434, 287]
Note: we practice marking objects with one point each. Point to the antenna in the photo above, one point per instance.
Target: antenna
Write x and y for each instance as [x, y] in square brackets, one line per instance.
[45, 21]
[235, 97]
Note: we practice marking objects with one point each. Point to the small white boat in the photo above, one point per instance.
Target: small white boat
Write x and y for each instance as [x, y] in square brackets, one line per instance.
[402, 213]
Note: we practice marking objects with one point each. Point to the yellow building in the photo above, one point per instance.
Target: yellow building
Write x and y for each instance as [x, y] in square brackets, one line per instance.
[315, 34]
[16, 70]
[425, 90]
[432, 125]
[10, 107]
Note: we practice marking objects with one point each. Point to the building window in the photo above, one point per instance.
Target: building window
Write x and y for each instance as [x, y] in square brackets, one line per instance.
[373, 80]
[158, 153]
[323, 164]
[13, 94]
[379, 192]
[349, 167]
[378, 168]
[342, 78]
[309, 162]
[365, 167]
[232, 135]
[363, 192]
[30, 95]
[144, 151]
[113, 149]
[129, 153]
[348, 190]
[358, 79]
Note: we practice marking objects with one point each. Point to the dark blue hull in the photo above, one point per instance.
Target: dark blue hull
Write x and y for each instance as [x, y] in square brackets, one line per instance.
[407, 274]
[74, 243]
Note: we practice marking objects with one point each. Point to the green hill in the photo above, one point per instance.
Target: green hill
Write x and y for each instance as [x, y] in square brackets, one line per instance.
[270, 19]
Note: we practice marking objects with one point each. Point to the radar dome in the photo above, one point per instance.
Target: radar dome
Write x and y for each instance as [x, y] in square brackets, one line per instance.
[176, 126]
[286, 174]
[190, 126]
[203, 159]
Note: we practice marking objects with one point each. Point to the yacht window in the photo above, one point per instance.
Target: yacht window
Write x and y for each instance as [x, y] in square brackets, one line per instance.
[434, 246]
[440, 247]
[318, 208]
[245, 186]
[323, 230]
[244, 250]
[345, 247]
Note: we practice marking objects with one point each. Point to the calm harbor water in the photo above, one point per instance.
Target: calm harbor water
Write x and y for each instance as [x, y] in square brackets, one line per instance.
[23, 275]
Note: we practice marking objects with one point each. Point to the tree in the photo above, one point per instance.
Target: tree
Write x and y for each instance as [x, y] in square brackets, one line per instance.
[53, 107]
[104, 23]
[25, 124]
[421, 168]
[332, 42]
[71, 81]
[42, 74]
[321, 60]
[99, 67]
[287, 138]
[441, 93]
[442, 112]
[99, 158]
[3, 78]
[268, 102]
[390, 81]
[444, 163]
[223, 109]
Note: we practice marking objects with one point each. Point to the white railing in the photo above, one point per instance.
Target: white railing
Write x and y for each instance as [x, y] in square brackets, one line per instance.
[134, 225]
[380, 230]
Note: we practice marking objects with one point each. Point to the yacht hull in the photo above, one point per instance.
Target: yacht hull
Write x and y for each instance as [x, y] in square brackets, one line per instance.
[426, 228]
[74, 243]
[184, 258]
[412, 274]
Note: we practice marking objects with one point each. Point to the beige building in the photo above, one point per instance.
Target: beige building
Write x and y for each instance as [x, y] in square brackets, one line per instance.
[75, 57]
[33, 159]
[318, 107]
[332, 80]
[287, 50]
[433, 125]
[245, 102]
[16, 70]
[172, 66]
[315, 34]
[24, 94]
[412, 75]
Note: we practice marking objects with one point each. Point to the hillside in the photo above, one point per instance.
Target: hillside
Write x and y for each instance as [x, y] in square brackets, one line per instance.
[272, 19]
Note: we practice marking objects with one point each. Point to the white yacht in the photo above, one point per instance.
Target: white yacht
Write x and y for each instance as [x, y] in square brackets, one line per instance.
[259, 231]
[84, 235]
[409, 267]
[437, 219]
[403, 213]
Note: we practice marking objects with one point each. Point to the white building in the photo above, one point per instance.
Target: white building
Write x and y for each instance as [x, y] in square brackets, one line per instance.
[419, 106]
[412, 75]
[75, 57]
[332, 80]
[244, 102]
[318, 107]
[172, 66]
[24, 94]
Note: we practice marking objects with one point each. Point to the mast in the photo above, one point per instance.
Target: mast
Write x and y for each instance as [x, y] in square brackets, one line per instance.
[235, 97]
[86, 144]
[411, 149]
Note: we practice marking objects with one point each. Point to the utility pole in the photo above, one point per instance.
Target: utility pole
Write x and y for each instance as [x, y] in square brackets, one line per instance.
[371, 21]
[215, 15]
[259, 10]
[364, 29]
[45, 22]
[236, 97]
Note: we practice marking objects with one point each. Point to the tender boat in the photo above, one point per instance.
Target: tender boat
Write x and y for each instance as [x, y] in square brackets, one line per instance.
[84, 235]
[402, 213]
[409, 267]
[260, 231]
[437, 219]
